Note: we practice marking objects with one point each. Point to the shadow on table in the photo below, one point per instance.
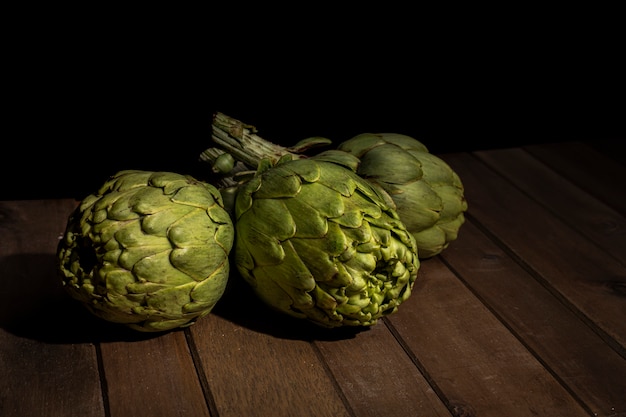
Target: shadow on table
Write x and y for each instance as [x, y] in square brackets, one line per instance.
[34, 305]
[241, 306]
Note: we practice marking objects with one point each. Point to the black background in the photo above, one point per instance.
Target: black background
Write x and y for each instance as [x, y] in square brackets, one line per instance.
[78, 110]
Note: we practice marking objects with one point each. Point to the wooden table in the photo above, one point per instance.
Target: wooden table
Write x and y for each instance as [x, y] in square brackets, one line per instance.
[523, 315]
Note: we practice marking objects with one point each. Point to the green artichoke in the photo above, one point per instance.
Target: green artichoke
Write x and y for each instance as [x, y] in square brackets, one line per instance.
[318, 242]
[428, 194]
[148, 249]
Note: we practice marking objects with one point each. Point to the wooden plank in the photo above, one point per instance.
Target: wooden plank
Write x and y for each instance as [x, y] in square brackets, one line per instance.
[38, 379]
[480, 367]
[48, 366]
[377, 376]
[564, 199]
[260, 363]
[588, 168]
[587, 278]
[589, 368]
[154, 376]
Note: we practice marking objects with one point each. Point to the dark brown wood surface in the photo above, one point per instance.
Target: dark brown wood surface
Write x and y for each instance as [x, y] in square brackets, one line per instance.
[523, 315]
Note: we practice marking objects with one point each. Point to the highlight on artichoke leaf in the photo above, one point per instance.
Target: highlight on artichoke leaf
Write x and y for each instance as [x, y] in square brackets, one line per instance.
[428, 194]
[148, 250]
[317, 242]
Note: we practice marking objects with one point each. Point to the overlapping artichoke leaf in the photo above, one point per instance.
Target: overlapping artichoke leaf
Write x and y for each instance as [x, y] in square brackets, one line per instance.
[148, 249]
[427, 193]
[317, 241]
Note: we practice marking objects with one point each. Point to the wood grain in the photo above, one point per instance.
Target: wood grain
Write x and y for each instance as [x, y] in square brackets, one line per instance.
[551, 331]
[566, 200]
[47, 366]
[523, 315]
[253, 373]
[563, 258]
[154, 377]
[378, 377]
[596, 172]
[474, 359]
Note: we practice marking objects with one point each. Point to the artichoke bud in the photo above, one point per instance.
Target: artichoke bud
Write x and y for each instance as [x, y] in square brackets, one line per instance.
[428, 195]
[148, 249]
[224, 163]
[316, 241]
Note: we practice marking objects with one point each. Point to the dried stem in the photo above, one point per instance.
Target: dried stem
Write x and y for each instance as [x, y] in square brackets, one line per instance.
[242, 142]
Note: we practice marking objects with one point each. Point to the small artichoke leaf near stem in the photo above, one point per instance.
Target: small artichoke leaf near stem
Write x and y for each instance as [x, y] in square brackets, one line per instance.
[309, 143]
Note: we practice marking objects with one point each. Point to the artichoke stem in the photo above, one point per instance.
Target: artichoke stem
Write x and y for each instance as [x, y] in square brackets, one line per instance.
[242, 142]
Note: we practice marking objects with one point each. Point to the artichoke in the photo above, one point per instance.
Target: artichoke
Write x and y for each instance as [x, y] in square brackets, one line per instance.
[428, 194]
[425, 191]
[148, 249]
[317, 242]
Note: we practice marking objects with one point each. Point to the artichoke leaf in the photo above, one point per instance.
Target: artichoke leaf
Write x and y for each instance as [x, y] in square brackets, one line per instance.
[436, 171]
[207, 293]
[339, 157]
[197, 262]
[117, 279]
[131, 256]
[149, 200]
[277, 293]
[117, 206]
[196, 197]
[218, 215]
[391, 164]
[419, 206]
[362, 143]
[362, 261]
[318, 262]
[307, 170]
[309, 223]
[168, 301]
[323, 299]
[158, 223]
[107, 230]
[144, 287]
[169, 182]
[157, 268]
[278, 182]
[126, 180]
[162, 325]
[338, 178]
[405, 142]
[278, 223]
[192, 228]
[315, 192]
[243, 201]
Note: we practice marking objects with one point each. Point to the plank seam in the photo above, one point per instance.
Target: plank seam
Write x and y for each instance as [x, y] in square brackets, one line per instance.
[104, 387]
[607, 338]
[329, 373]
[420, 367]
[204, 382]
[519, 338]
[564, 174]
[583, 190]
